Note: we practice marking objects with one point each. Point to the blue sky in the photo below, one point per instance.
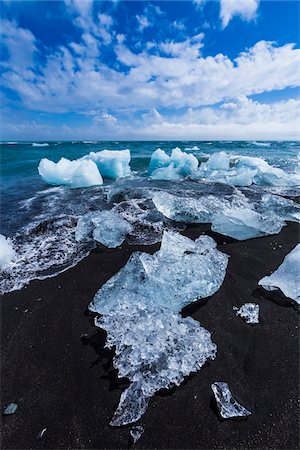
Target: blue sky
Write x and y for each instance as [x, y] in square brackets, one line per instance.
[83, 69]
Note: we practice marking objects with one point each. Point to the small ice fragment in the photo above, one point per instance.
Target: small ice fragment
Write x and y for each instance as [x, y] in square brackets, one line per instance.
[41, 433]
[286, 277]
[112, 229]
[107, 227]
[10, 409]
[133, 404]
[249, 312]
[228, 406]
[136, 432]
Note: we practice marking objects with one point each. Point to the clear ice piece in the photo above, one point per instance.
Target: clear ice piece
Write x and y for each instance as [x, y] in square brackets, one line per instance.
[136, 432]
[107, 227]
[286, 277]
[249, 312]
[112, 229]
[133, 404]
[155, 347]
[245, 223]
[181, 272]
[10, 409]
[227, 405]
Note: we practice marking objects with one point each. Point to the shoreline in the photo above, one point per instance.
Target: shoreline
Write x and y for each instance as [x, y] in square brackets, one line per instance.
[55, 368]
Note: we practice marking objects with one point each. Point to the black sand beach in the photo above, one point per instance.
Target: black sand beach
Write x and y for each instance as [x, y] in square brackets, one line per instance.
[55, 368]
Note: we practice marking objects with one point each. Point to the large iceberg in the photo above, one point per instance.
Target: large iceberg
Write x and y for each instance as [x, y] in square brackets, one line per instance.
[155, 347]
[7, 252]
[286, 277]
[75, 174]
[174, 167]
[111, 163]
[106, 227]
[244, 171]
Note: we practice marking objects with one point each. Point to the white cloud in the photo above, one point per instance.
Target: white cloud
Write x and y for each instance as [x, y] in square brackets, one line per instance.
[20, 44]
[105, 20]
[246, 9]
[171, 76]
[143, 22]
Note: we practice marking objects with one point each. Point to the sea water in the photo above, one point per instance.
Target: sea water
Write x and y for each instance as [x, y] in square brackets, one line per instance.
[41, 219]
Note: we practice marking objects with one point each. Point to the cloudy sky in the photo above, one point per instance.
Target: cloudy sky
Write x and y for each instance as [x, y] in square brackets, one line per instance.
[83, 69]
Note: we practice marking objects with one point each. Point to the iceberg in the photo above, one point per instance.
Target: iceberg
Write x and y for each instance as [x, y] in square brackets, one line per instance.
[111, 163]
[40, 144]
[174, 167]
[107, 227]
[244, 171]
[155, 347]
[249, 312]
[75, 174]
[228, 406]
[7, 252]
[286, 277]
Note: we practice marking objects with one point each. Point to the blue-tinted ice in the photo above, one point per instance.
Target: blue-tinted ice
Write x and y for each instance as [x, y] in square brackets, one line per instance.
[286, 277]
[227, 405]
[155, 347]
[249, 312]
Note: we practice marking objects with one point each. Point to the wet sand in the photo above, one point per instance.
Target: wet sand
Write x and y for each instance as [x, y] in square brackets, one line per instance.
[55, 367]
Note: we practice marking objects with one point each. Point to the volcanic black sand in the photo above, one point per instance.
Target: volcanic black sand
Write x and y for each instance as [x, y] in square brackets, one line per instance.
[55, 367]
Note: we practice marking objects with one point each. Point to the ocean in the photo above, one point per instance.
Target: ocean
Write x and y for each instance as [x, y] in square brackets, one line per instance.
[41, 218]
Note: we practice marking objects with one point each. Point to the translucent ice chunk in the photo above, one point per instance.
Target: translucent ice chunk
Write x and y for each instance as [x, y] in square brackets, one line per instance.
[85, 227]
[245, 223]
[106, 227]
[111, 163]
[111, 229]
[249, 312]
[174, 167]
[7, 252]
[244, 171]
[75, 174]
[193, 210]
[181, 272]
[155, 348]
[228, 406]
[136, 432]
[286, 277]
[133, 404]
[10, 409]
